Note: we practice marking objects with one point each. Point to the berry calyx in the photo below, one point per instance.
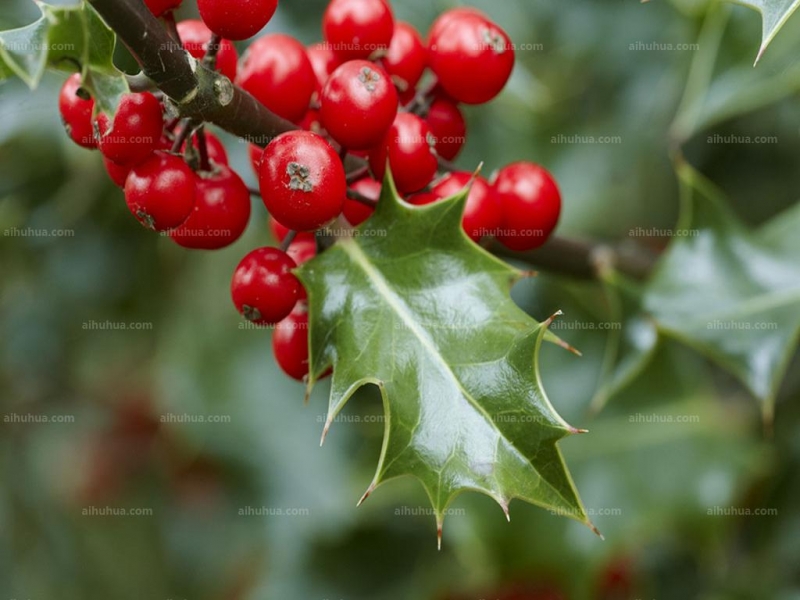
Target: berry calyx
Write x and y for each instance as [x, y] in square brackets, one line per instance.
[76, 107]
[471, 56]
[409, 147]
[302, 181]
[236, 19]
[135, 132]
[530, 203]
[358, 28]
[358, 105]
[482, 214]
[448, 126]
[195, 37]
[160, 191]
[406, 58]
[357, 212]
[263, 288]
[277, 71]
[159, 7]
[221, 211]
[290, 343]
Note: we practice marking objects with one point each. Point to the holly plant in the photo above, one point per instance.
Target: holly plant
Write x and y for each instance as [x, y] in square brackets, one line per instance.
[388, 272]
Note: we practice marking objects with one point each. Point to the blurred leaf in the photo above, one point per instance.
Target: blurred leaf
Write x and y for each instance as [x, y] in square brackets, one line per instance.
[722, 290]
[70, 38]
[412, 306]
[774, 14]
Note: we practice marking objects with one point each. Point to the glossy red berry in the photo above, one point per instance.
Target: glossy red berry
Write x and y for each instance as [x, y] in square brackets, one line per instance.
[302, 181]
[216, 150]
[279, 232]
[407, 57]
[221, 211]
[357, 212]
[358, 28]
[160, 191]
[236, 19]
[276, 70]
[255, 153]
[195, 37]
[358, 105]
[323, 61]
[530, 203]
[263, 288]
[159, 7]
[482, 214]
[409, 147]
[472, 58]
[135, 131]
[448, 126]
[76, 109]
[117, 173]
[454, 13]
[302, 250]
[290, 343]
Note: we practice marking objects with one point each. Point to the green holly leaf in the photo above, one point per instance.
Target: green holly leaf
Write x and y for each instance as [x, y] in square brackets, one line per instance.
[774, 14]
[411, 305]
[730, 293]
[67, 38]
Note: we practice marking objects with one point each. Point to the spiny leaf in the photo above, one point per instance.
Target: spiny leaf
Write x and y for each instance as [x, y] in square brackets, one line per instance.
[412, 306]
[774, 14]
[728, 292]
[67, 38]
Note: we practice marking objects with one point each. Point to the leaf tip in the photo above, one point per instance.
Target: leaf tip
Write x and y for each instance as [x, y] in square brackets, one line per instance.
[439, 527]
[366, 494]
[325, 430]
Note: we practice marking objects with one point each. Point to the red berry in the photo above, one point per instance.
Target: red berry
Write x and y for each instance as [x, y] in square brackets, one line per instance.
[216, 150]
[530, 203]
[221, 211]
[357, 212]
[76, 112]
[236, 19]
[302, 250]
[290, 343]
[409, 146]
[472, 57]
[302, 181]
[358, 105]
[482, 215]
[279, 232]
[454, 13]
[159, 7]
[276, 70]
[255, 153]
[195, 37]
[264, 289]
[358, 28]
[311, 122]
[117, 173]
[407, 57]
[448, 126]
[135, 132]
[323, 61]
[160, 191]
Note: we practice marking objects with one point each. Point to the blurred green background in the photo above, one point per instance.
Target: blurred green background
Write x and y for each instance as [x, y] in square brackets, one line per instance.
[183, 419]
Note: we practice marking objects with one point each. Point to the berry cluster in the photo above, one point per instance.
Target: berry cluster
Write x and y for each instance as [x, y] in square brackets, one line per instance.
[373, 94]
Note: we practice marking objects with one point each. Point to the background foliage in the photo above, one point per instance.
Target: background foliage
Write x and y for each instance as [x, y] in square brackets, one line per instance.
[682, 440]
